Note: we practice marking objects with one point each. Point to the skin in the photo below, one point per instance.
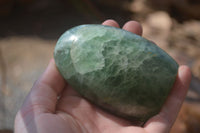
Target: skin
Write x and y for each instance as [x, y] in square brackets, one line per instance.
[53, 106]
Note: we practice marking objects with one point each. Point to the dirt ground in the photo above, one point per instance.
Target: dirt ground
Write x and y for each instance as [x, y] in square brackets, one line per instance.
[29, 33]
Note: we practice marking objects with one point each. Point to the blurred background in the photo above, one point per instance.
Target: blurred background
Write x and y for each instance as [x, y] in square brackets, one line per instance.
[29, 30]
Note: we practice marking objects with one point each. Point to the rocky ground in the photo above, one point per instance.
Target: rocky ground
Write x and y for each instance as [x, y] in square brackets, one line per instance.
[29, 33]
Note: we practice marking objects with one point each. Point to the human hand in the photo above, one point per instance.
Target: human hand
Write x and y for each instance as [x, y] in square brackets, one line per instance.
[52, 106]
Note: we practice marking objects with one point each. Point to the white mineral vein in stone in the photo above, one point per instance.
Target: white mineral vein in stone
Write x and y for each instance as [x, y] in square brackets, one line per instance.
[88, 58]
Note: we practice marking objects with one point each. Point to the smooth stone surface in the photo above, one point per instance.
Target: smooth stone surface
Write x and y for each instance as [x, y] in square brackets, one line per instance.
[117, 70]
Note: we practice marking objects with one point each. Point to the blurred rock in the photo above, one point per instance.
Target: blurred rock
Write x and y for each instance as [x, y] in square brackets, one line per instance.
[160, 20]
[139, 8]
[180, 9]
[25, 60]
[185, 38]
[157, 27]
[196, 68]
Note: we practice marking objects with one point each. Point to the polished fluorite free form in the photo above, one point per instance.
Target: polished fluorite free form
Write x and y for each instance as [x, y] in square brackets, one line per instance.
[119, 71]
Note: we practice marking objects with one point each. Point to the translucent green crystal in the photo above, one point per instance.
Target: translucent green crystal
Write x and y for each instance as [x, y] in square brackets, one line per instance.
[117, 70]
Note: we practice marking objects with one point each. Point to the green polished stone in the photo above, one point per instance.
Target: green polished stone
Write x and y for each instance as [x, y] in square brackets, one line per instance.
[117, 70]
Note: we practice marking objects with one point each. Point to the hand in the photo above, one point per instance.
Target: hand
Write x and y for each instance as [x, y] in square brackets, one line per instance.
[52, 106]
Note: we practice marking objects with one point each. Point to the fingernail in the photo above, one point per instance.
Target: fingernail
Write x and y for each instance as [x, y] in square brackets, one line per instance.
[185, 74]
[183, 70]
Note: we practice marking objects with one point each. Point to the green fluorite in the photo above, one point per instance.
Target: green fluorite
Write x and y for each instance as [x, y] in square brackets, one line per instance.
[117, 70]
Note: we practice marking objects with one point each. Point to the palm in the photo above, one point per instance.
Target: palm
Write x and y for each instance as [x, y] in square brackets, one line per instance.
[44, 112]
[83, 117]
